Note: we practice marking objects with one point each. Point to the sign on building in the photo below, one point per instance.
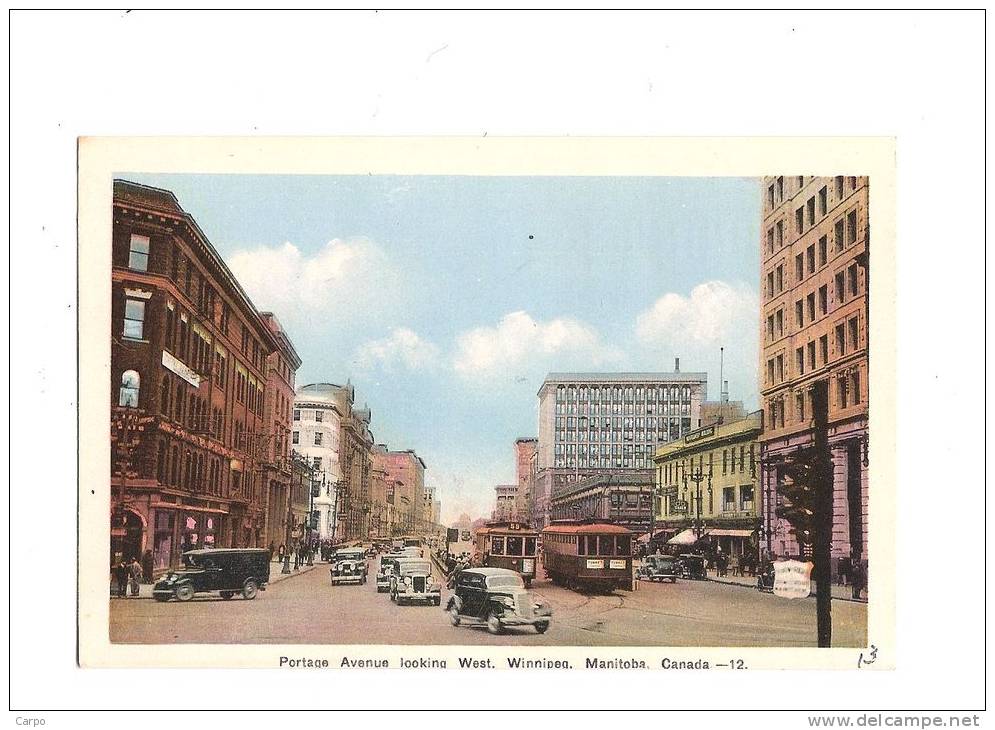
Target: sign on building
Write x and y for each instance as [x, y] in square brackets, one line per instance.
[792, 579]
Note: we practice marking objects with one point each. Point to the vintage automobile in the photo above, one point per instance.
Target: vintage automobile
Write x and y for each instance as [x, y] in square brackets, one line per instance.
[348, 566]
[386, 569]
[496, 598]
[225, 570]
[693, 567]
[411, 580]
[659, 568]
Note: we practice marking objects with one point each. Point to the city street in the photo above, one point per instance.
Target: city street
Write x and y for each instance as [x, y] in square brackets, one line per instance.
[307, 609]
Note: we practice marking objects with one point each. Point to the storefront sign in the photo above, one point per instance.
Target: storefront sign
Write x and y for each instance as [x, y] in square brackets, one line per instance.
[595, 564]
[792, 579]
[700, 434]
[679, 505]
[670, 491]
[177, 366]
[616, 564]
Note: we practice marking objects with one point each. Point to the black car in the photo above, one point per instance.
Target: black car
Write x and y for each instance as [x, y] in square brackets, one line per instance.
[495, 598]
[659, 568]
[226, 570]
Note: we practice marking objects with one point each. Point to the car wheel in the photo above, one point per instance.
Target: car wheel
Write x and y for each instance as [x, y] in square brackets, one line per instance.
[542, 627]
[227, 595]
[249, 589]
[454, 615]
[494, 624]
[183, 592]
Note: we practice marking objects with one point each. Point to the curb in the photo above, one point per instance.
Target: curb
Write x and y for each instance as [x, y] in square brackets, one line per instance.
[753, 586]
[274, 578]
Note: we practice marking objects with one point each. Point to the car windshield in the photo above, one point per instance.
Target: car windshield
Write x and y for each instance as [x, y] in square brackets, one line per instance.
[348, 556]
[419, 567]
[505, 581]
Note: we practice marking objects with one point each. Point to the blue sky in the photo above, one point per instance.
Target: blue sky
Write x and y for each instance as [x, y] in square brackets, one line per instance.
[446, 299]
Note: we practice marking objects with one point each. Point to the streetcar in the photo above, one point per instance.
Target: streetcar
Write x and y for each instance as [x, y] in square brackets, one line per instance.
[509, 545]
[580, 554]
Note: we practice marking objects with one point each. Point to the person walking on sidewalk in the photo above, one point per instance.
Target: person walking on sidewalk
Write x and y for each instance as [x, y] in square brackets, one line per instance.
[134, 575]
[858, 579]
[121, 578]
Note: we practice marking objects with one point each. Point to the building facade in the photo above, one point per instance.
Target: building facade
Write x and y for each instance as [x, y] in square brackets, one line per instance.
[281, 369]
[189, 380]
[598, 423]
[505, 502]
[814, 327]
[525, 453]
[622, 497]
[405, 470]
[335, 437]
[708, 482]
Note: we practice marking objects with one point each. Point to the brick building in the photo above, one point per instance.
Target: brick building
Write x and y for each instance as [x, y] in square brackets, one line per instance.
[814, 327]
[525, 453]
[405, 470]
[189, 378]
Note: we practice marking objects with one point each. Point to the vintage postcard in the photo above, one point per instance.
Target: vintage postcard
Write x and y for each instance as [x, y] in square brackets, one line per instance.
[487, 403]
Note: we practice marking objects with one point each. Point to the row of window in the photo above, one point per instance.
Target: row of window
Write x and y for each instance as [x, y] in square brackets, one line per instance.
[628, 409]
[846, 286]
[620, 393]
[847, 393]
[681, 469]
[729, 503]
[295, 438]
[594, 424]
[308, 415]
[846, 340]
[582, 461]
[195, 471]
[775, 191]
[619, 437]
[812, 258]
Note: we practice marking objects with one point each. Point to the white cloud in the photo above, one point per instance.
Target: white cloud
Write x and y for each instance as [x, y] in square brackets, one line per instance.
[519, 340]
[342, 276]
[713, 312]
[402, 347]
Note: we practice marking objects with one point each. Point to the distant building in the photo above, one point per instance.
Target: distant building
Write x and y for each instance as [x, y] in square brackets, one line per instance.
[814, 327]
[406, 472]
[525, 452]
[599, 423]
[505, 502]
[623, 497]
[722, 411]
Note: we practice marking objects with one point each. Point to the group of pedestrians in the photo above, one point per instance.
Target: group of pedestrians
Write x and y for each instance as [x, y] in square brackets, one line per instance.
[128, 576]
[301, 553]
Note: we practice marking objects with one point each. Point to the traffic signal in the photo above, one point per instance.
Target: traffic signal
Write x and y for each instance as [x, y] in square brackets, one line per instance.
[315, 491]
[797, 491]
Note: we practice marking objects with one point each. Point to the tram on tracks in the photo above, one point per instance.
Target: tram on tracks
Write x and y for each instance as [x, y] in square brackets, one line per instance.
[580, 554]
[510, 545]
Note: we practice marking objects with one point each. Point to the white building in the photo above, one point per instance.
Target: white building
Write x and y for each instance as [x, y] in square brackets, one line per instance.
[316, 433]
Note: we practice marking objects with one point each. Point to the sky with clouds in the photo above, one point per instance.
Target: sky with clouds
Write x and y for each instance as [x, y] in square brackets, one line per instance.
[447, 299]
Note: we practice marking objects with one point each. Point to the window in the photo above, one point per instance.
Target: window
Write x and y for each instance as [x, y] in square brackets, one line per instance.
[851, 279]
[838, 235]
[780, 189]
[319, 416]
[800, 406]
[770, 283]
[823, 201]
[770, 371]
[128, 394]
[770, 327]
[770, 196]
[840, 289]
[810, 258]
[138, 256]
[810, 209]
[295, 437]
[824, 349]
[823, 250]
[317, 438]
[799, 267]
[811, 355]
[725, 461]
[317, 463]
[779, 367]
[497, 545]
[851, 227]
[800, 361]
[799, 319]
[801, 181]
[853, 332]
[746, 498]
[839, 187]
[134, 318]
[729, 499]
[606, 544]
[297, 415]
[840, 341]
[841, 387]
[779, 233]
[770, 241]
[856, 387]
[779, 319]
[799, 220]
[779, 278]
[810, 302]
[823, 299]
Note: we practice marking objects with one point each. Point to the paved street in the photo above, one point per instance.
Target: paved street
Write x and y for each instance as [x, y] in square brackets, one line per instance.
[307, 609]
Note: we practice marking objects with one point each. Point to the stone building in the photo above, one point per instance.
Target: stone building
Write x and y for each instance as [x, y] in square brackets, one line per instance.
[814, 327]
[525, 452]
[505, 503]
[599, 423]
[623, 497]
[406, 472]
[189, 380]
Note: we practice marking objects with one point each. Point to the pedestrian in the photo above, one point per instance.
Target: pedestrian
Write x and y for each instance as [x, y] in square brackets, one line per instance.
[844, 567]
[147, 566]
[282, 551]
[135, 575]
[858, 579]
[272, 550]
[121, 578]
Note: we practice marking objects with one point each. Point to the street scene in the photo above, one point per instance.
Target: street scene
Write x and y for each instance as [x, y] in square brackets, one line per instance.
[548, 412]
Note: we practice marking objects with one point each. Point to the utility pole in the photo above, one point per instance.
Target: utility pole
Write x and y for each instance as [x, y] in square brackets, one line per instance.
[823, 517]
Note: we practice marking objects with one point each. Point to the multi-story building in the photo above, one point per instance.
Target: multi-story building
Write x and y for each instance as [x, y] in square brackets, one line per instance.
[281, 368]
[189, 380]
[598, 423]
[707, 482]
[406, 472]
[505, 502]
[722, 411]
[525, 451]
[622, 497]
[384, 513]
[336, 438]
[814, 327]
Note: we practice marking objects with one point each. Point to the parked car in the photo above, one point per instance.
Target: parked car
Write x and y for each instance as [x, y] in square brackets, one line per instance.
[411, 580]
[226, 571]
[693, 567]
[496, 598]
[348, 566]
[659, 568]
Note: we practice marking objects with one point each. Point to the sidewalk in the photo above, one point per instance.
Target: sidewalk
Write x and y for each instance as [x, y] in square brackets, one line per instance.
[275, 576]
[841, 593]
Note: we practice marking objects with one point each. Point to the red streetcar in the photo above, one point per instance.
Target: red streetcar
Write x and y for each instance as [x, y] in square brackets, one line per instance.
[592, 555]
[508, 545]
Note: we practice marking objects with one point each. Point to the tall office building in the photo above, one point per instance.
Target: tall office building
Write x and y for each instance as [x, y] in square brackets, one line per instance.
[814, 327]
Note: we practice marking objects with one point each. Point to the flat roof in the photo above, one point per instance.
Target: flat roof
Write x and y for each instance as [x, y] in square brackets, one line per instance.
[625, 377]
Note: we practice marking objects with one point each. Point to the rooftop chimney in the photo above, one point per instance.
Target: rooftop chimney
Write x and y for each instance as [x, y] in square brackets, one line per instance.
[677, 364]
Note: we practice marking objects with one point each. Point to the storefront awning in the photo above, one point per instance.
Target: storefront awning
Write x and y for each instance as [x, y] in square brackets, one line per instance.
[687, 537]
[719, 532]
[656, 535]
